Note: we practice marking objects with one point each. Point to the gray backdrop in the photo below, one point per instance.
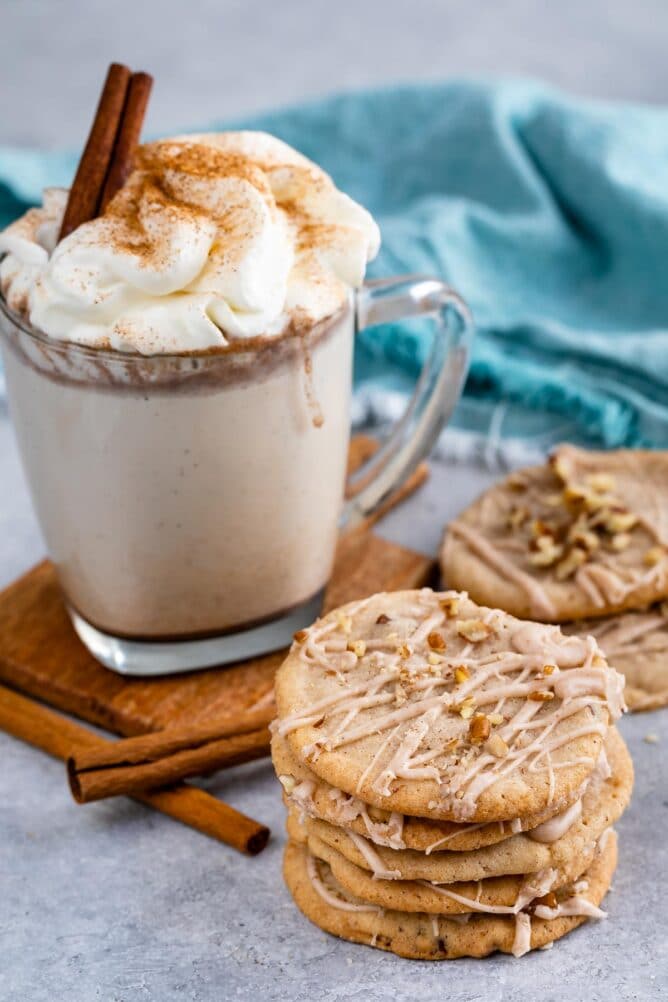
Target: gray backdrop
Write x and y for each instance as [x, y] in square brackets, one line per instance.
[217, 58]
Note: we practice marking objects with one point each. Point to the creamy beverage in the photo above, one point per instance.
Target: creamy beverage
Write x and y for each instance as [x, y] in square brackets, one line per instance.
[197, 493]
[179, 372]
[192, 507]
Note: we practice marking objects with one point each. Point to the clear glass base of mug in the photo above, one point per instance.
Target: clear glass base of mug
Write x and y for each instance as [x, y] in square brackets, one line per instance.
[151, 658]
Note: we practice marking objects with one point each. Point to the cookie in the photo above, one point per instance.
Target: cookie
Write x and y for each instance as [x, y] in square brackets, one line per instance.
[445, 898]
[636, 643]
[582, 536]
[308, 794]
[431, 937]
[429, 705]
[577, 832]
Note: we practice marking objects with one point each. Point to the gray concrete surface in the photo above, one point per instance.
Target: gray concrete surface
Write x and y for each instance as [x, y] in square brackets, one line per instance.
[112, 902]
[115, 903]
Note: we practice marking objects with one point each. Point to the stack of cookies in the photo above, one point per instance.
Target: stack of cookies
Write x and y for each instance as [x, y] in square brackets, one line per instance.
[452, 775]
[583, 541]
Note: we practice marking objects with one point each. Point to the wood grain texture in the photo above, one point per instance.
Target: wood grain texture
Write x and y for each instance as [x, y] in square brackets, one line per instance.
[41, 655]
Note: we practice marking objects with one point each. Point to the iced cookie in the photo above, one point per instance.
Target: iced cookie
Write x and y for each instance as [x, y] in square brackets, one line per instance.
[558, 844]
[511, 929]
[308, 794]
[584, 535]
[438, 898]
[429, 705]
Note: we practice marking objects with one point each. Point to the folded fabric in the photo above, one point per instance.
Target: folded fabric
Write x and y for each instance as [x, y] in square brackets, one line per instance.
[549, 214]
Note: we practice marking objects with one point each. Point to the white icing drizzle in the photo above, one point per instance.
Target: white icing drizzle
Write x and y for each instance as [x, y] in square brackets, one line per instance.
[604, 583]
[301, 796]
[577, 905]
[434, 926]
[331, 899]
[535, 886]
[380, 872]
[447, 838]
[556, 827]
[630, 633]
[573, 685]
[604, 839]
[522, 941]
[541, 604]
[348, 808]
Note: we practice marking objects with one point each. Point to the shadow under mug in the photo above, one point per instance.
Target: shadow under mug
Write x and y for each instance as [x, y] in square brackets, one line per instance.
[191, 503]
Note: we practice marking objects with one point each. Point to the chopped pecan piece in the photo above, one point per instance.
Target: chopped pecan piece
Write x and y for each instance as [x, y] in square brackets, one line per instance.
[473, 630]
[496, 746]
[467, 708]
[450, 606]
[345, 623]
[574, 559]
[620, 520]
[436, 641]
[479, 729]
[602, 483]
[653, 556]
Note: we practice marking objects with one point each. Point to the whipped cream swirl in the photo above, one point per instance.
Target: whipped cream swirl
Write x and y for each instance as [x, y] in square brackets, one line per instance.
[214, 237]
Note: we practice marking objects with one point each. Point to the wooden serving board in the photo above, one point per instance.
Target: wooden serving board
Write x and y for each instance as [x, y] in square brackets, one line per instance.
[41, 655]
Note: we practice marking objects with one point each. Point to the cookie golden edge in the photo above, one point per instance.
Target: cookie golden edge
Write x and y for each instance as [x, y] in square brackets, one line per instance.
[423, 937]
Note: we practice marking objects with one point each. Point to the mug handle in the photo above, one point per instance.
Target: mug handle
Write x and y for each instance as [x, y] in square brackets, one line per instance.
[438, 388]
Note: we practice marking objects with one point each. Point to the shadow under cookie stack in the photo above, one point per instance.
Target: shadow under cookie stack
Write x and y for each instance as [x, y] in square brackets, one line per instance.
[452, 775]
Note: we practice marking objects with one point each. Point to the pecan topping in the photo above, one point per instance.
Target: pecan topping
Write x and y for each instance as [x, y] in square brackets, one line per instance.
[473, 630]
[479, 729]
[450, 606]
[497, 746]
[436, 641]
[461, 674]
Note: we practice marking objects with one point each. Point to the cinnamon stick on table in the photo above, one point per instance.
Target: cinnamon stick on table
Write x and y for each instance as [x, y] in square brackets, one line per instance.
[52, 733]
[161, 758]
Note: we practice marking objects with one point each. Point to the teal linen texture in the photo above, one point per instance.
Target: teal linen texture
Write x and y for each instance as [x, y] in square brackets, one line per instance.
[549, 214]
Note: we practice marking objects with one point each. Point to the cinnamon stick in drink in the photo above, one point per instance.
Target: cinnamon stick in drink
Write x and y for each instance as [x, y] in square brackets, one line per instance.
[128, 136]
[86, 191]
[50, 732]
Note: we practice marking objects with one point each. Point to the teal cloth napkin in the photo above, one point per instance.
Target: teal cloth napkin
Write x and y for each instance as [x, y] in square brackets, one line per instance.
[549, 214]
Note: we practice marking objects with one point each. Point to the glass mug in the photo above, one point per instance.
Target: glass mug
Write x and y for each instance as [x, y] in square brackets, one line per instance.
[191, 503]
